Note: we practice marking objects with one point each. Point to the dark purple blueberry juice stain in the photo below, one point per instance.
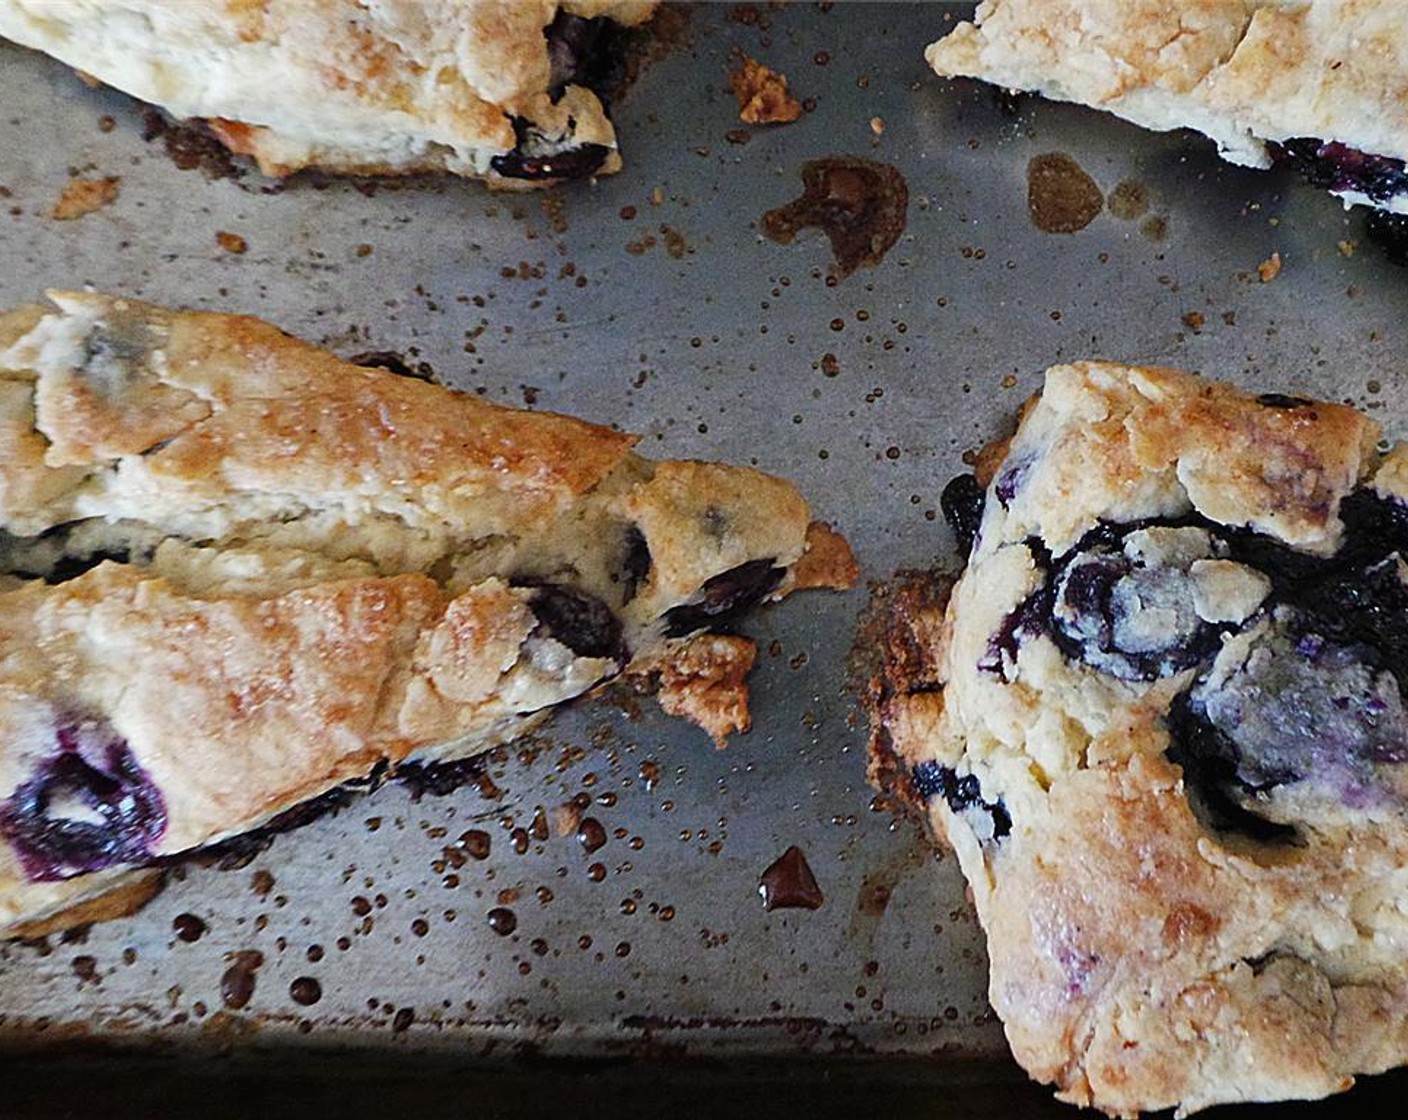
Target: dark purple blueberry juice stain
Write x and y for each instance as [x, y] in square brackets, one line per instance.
[1338, 167]
[88, 807]
[1009, 481]
[439, 778]
[725, 596]
[788, 883]
[962, 793]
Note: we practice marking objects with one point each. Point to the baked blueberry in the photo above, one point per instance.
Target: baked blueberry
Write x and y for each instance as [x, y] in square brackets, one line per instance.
[725, 596]
[88, 807]
[1145, 603]
[537, 156]
[580, 621]
[962, 503]
[961, 793]
[1299, 706]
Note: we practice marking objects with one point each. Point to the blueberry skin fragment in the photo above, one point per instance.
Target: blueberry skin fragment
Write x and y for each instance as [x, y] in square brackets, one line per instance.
[528, 161]
[726, 596]
[118, 813]
[1338, 167]
[1281, 400]
[962, 503]
[961, 793]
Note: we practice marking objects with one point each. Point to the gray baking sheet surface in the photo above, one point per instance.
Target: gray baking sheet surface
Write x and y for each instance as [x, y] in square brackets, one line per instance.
[649, 300]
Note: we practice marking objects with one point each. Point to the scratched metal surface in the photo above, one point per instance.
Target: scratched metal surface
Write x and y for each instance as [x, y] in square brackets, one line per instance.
[712, 350]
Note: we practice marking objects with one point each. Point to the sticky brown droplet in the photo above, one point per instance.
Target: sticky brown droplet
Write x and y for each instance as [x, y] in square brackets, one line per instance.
[590, 834]
[1129, 200]
[502, 920]
[188, 927]
[860, 205]
[237, 985]
[788, 884]
[305, 991]
[476, 843]
[403, 1019]
[1061, 197]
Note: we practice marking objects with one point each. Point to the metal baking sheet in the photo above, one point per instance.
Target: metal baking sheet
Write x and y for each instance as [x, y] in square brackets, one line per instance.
[650, 300]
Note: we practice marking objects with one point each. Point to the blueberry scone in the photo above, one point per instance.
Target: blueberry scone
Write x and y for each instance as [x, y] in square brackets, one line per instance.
[1319, 84]
[495, 89]
[238, 571]
[1161, 722]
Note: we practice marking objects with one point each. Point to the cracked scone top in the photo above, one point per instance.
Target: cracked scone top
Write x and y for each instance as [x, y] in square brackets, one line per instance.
[1161, 722]
[494, 89]
[238, 571]
[1319, 84]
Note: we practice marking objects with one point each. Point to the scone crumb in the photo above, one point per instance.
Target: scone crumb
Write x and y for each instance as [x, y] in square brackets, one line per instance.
[704, 680]
[231, 242]
[877, 125]
[1270, 268]
[1194, 320]
[1347, 247]
[83, 196]
[828, 561]
[763, 96]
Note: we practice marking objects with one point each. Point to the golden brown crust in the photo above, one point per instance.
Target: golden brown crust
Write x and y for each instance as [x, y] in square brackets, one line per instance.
[393, 87]
[763, 96]
[1242, 71]
[1145, 952]
[320, 567]
[133, 891]
[828, 561]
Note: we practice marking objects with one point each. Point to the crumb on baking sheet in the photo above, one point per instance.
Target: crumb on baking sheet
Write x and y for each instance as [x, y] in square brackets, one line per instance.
[231, 242]
[763, 96]
[703, 679]
[83, 196]
[1270, 268]
[828, 561]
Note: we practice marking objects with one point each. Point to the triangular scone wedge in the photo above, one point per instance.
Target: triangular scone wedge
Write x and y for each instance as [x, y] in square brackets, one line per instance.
[1319, 84]
[1161, 719]
[239, 571]
[494, 89]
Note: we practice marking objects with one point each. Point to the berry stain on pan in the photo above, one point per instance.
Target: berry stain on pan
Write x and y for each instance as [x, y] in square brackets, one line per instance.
[1061, 196]
[860, 205]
